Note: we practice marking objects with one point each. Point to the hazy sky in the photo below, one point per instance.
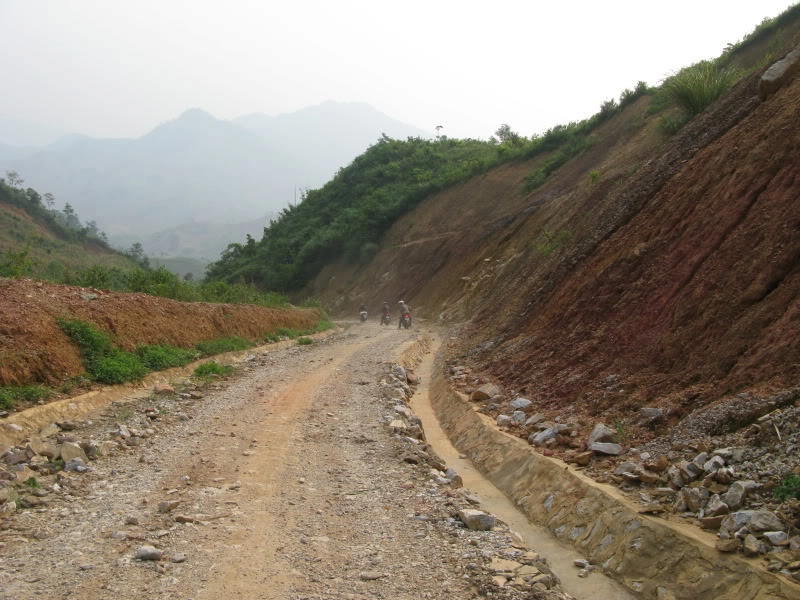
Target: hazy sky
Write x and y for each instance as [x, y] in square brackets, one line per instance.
[117, 68]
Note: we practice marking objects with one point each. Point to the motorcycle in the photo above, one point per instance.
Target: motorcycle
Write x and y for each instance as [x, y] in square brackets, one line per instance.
[363, 316]
[406, 320]
[386, 319]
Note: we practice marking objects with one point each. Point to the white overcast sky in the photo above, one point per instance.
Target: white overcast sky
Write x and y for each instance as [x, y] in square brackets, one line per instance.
[113, 68]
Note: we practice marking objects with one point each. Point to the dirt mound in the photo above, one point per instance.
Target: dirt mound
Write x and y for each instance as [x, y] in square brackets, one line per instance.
[33, 347]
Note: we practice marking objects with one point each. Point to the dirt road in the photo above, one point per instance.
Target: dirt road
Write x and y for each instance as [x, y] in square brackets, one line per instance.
[284, 483]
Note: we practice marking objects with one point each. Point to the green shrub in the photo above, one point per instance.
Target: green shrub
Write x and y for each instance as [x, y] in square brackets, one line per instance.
[288, 332]
[789, 488]
[160, 357]
[16, 263]
[220, 345]
[552, 241]
[212, 370]
[118, 367]
[271, 338]
[694, 88]
[305, 341]
[594, 176]
[669, 125]
[10, 396]
[93, 343]
[102, 360]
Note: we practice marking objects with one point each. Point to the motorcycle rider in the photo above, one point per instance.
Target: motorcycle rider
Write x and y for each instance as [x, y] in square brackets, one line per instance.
[404, 310]
[386, 312]
[362, 308]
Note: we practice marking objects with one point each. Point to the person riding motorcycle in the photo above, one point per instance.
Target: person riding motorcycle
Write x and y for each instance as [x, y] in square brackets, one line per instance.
[386, 314]
[362, 308]
[404, 310]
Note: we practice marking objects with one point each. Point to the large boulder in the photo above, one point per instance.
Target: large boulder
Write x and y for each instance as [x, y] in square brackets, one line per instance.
[477, 519]
[537, 439]
[736, 495]
[755, 520]
[779, 74]
[70, 450]
[486, 391]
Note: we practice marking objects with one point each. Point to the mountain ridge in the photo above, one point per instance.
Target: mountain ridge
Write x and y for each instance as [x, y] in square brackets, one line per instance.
[198, 167]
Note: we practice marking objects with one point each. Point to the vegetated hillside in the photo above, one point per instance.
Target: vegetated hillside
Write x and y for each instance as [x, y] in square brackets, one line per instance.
[197, 168]
[33, 348]
[670, 264]
[39, 242]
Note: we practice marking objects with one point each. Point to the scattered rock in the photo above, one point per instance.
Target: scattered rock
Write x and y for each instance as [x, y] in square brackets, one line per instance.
[477, 519]
[730, 545]
[776, 538]
[751, 545]
[166, 506]
[148, 553]
[69, 450]
[485, 392]
[606, 448]
[520, 403]
[601, 433]
[503, 420]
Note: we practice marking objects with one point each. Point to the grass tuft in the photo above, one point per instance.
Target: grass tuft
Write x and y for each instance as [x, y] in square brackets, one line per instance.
[694, 89]
[160, 357]
[228, 344]
[305, 341]
[10, 396]
[789, 488]
[212, 370]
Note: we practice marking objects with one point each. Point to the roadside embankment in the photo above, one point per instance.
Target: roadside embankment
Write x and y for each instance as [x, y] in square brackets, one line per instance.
[33, 348]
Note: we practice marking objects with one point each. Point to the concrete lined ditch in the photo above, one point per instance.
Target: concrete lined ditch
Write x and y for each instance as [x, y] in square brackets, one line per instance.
[652, 558]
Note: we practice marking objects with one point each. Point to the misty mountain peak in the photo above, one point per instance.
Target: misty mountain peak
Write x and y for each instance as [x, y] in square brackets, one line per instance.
[195, 115]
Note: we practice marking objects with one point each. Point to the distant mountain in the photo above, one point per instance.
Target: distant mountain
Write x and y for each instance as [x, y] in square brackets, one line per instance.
[198, 168]
[340, 131]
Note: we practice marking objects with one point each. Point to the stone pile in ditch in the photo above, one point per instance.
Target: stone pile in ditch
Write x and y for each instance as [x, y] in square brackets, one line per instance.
[501, 564]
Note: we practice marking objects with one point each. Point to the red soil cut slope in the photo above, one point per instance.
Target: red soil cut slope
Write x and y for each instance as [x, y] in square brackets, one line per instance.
[699, 291]
[33, 347]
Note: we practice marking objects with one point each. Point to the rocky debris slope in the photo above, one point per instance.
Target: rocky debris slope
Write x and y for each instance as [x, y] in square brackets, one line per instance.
[729, 483]
[501, 563]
